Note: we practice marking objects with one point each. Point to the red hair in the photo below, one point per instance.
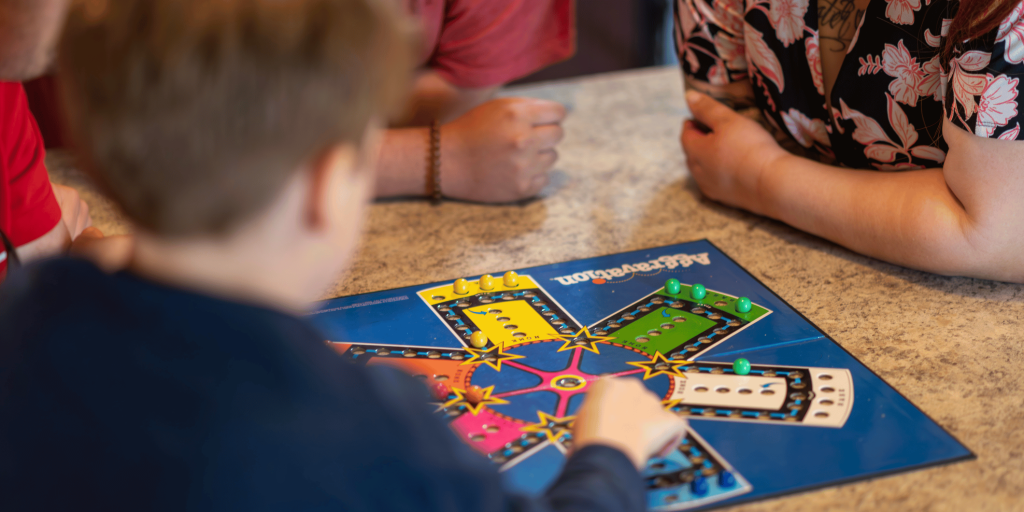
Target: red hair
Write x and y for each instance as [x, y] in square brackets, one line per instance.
[974, 19]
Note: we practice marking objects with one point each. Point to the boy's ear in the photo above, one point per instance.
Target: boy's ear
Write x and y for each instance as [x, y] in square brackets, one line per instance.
[328, 174]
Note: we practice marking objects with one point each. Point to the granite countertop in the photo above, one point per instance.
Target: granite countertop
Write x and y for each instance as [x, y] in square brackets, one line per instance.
[951, 345]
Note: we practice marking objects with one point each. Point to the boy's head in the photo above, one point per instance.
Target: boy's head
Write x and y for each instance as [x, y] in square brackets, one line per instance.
[28, 34]
[202, 117]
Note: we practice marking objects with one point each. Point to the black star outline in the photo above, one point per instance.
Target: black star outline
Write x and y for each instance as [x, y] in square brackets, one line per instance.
[554, 428]
[669, 404]
[492, 357]
[650, 369]
[474, 409]
[592, 341]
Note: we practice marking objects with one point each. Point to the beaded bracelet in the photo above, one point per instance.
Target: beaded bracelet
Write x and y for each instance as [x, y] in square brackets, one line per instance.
[434, 163]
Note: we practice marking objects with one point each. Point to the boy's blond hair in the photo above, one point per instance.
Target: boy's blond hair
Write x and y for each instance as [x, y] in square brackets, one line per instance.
[192, 114]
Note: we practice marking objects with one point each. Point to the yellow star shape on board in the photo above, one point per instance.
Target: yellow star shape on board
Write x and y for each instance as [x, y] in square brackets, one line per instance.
[474, 409]
[589, 339]
[669, 404]
[553, 427]
[492, 357]
[660, 365]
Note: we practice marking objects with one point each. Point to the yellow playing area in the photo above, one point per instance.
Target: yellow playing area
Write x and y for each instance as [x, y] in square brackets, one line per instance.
[509, 322]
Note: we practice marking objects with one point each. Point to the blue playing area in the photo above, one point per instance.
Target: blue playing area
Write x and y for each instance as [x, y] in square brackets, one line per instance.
[774, 405]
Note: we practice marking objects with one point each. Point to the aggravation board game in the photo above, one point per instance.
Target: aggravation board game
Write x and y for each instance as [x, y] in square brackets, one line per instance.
[774, 405]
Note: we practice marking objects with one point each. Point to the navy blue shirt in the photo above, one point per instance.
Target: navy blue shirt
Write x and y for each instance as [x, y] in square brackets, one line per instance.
[118, 393]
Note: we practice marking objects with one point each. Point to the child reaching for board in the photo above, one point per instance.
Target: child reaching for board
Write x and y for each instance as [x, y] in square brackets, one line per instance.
[239, 137]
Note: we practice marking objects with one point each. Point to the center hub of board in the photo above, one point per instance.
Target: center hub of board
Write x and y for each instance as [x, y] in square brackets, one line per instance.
[537, 377]
[568, 382]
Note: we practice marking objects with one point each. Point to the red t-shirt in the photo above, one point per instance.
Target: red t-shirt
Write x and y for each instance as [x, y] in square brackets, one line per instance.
[28, 208]
[481, 43]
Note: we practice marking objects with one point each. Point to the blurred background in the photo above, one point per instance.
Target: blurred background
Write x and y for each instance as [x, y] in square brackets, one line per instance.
[612, 35]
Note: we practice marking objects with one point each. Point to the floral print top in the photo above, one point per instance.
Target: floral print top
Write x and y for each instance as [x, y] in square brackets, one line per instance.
[891, 93]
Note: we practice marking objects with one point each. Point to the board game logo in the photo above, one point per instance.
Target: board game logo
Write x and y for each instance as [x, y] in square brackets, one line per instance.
[664, 262]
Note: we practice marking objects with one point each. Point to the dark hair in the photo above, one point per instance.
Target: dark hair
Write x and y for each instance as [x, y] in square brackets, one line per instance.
[193, 114]
[974, 19]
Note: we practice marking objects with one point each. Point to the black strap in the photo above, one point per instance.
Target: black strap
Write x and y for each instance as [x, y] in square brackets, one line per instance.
[12, 256]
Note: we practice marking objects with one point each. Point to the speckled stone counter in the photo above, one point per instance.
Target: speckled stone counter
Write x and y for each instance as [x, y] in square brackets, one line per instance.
[953, 346]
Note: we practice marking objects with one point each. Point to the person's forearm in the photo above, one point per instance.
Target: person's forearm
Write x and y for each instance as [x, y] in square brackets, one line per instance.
[402, 167]
[54, 242]
[909, 218]
[434, 98]
[594, 479]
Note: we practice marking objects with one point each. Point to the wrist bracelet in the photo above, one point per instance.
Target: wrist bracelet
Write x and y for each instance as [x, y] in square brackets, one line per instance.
[434, 163]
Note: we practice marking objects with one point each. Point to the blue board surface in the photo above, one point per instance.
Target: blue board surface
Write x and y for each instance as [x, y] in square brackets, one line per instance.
[865, 429]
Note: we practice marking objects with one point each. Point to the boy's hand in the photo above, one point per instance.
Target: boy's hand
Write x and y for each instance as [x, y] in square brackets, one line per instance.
[502, 150]
[73, 210]
[625, 415]
[110, 254]
[728, 158]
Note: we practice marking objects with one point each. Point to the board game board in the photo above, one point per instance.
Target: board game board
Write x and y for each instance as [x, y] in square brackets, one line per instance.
[774, 405]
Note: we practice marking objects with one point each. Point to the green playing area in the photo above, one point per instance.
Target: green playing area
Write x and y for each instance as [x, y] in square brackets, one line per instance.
[665, 329]
[723, 303]
[663, 333]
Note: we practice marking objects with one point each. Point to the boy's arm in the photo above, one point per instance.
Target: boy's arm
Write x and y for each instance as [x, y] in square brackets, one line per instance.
[596, 477]
[964, 219]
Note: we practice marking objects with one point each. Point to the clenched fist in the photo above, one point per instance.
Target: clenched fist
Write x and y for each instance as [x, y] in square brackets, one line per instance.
[502, 150]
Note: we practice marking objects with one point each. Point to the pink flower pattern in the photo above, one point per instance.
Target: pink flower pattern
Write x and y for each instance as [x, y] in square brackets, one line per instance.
[731, 14]
[775, 44]
[880, 147]
[910, 79]
[998, 104]
[762, 61]
[813, 52]
[731, 50]
[695, 22]
[805, 130]
[901, 12]
[966, 84]
[1011, 134]
[787, 18]
[931, 82]
[906, 73]
[856, 36]
[1011, 32]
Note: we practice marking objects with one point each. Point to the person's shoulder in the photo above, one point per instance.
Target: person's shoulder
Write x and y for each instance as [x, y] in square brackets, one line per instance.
[492, 7]
[10, 91]
[985, 71]
[68, 301]
[54, 305]
[12, 101]
[47, 288]
[15, 123]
